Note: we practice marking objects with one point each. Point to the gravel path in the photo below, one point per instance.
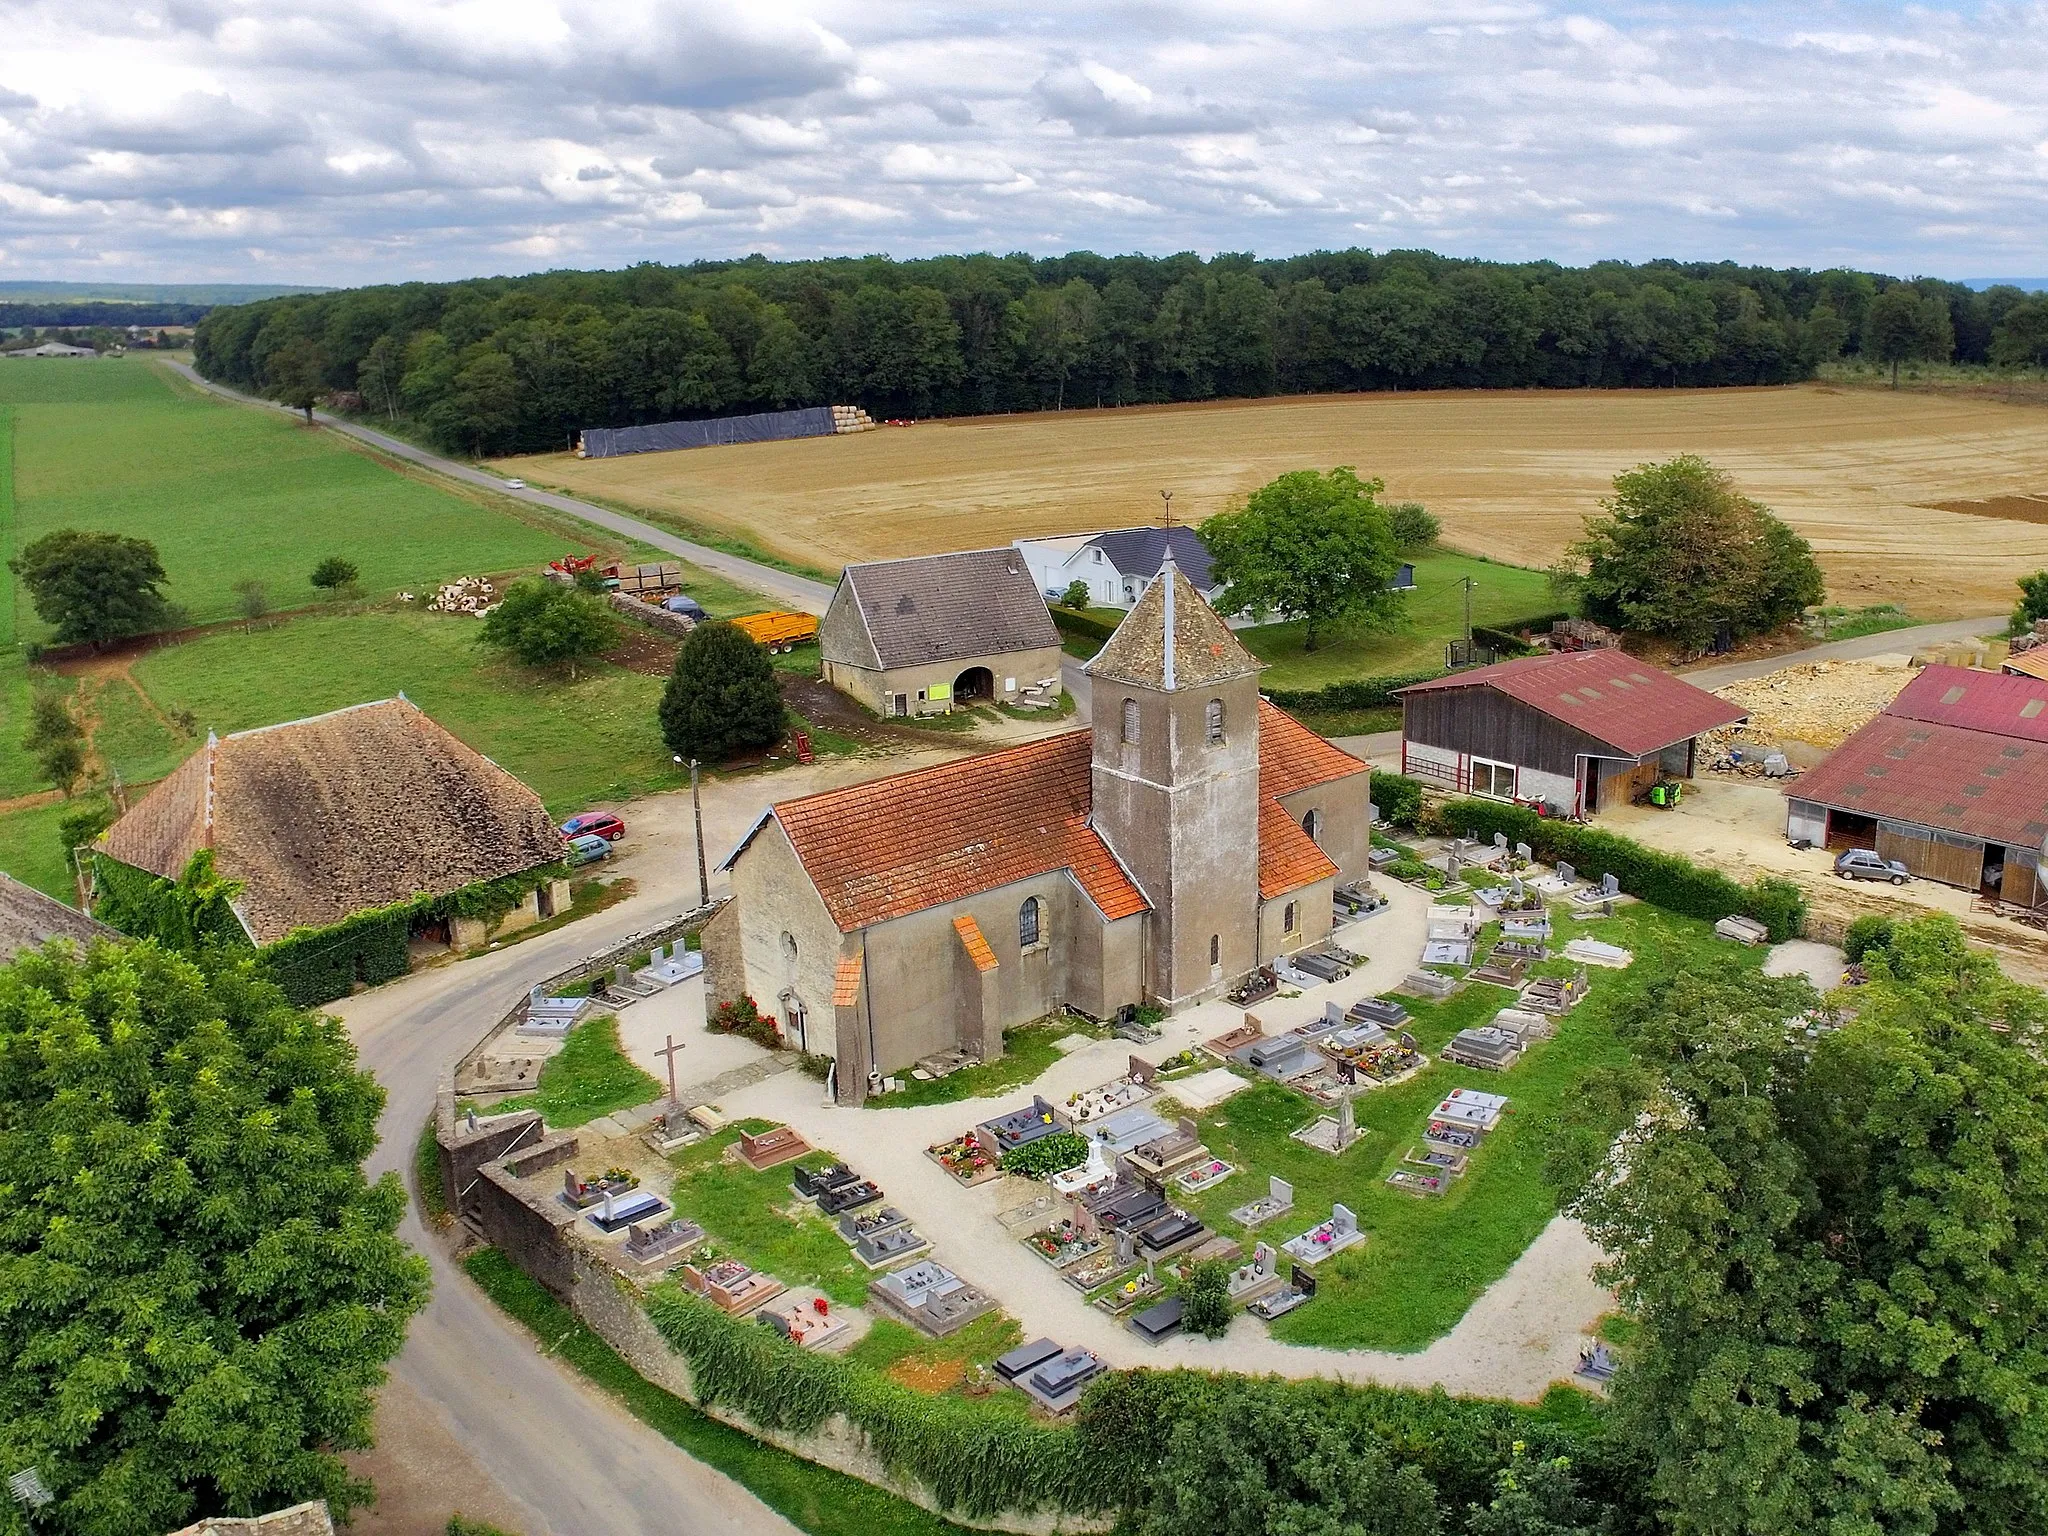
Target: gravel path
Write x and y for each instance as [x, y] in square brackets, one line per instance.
[1520, 1336]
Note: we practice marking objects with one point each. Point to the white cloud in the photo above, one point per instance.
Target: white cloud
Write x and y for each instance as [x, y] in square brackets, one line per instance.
[364, 140]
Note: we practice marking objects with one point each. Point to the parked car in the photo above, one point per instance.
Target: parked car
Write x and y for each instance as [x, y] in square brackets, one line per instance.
[1868, 864]
[687, 606]
[594, 824]
[587, 849]
[515, 485]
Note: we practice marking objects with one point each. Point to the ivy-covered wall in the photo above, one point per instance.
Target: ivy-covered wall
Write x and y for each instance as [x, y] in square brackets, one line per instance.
[312, 965]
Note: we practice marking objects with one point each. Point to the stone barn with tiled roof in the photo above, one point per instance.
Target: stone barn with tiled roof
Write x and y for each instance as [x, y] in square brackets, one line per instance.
[922, 636]
[318, 821]
[1192, 832]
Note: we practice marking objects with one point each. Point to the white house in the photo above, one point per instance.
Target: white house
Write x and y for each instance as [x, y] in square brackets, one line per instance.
[1120, 564]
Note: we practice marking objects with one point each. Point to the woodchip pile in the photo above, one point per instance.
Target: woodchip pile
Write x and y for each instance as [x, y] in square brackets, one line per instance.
[1821, 703]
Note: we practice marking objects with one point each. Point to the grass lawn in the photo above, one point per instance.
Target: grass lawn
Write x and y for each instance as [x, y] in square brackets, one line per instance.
[29, 849]
[588, 1077]
[131, 738]
[919, 1361]
[574, 742]
[1854, 623]
[813, 1498]
[228, 493]
[1435, 612]
[1027, 1052]
[1426, 1261]
[758, 1218]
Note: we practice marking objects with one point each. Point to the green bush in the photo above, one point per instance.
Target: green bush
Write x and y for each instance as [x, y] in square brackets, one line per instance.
[1867, 933]
[1205, 1299]
[1082, 626]
[1048, 1155]
[976, 1456]
[1662, 879]
[1398, 797]
[1352, 693]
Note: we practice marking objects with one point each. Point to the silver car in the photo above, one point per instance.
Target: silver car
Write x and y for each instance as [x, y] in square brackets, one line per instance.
[1868, 864]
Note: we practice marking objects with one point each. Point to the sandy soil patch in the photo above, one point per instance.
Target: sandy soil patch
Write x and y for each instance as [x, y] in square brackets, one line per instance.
[1863, 474]
[1820, 703]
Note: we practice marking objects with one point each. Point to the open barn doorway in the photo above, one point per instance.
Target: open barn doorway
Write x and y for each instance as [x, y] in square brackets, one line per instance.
[974, 684]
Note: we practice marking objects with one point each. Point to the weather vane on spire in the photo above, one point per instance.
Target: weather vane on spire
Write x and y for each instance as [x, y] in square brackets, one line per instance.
[1167, 497]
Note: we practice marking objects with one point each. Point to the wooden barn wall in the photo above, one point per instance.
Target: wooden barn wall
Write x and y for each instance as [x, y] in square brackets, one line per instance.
[1937, 856]
[1487, 723]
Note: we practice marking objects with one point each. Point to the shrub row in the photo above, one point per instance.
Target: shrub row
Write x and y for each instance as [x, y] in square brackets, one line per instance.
[1397, 797]
[1048, 1155]
[1662, 879]
[1082, 626]
[1352, 693]
[976, 1457]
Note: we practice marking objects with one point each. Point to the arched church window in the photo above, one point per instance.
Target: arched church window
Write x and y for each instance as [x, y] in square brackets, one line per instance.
[1131, 720]
[1213, 719]
[1215, 949]
[1029, 917]
[1312, 824]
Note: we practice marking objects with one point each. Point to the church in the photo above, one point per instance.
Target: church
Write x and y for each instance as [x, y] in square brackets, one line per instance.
[1189, 834]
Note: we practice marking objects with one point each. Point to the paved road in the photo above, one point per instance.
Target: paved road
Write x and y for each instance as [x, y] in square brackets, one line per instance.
[576, 1461]
[798, 592]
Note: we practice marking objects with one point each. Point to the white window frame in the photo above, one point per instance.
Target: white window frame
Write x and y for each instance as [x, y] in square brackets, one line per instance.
[1495, 769]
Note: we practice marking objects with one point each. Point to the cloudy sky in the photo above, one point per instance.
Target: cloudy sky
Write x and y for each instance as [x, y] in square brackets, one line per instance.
[344, 141]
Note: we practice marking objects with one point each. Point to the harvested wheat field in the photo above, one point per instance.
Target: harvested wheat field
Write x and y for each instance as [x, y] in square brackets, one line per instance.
[1512, 473]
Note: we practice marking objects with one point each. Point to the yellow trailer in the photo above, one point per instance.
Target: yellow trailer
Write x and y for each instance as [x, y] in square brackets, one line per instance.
[777, 630]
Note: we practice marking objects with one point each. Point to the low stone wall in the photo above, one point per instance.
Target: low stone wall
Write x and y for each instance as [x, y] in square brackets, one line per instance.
[464, 1151]
[525, 1221]
[632, 608]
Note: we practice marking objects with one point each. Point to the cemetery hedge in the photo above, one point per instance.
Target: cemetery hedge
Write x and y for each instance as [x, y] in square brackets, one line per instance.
[1047, 1156]
[975, 1457]
[1662, 879]
[1398, 797]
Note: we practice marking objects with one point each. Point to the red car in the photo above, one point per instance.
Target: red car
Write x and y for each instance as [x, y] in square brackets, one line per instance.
[595, 824]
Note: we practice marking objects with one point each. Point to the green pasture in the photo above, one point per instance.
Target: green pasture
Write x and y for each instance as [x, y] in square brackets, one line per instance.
[30, 849]
[1431, 614]
[573, 742]
[591, 1075]
[229, 493]
[1427, 1260]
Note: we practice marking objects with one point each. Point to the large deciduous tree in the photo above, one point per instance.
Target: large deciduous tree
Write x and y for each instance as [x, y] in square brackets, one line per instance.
[1308, 543]
[94, 587]
[1902, 325]
[295, 375]
[546, 623]
[198, 1288]
[1837, 1250]
[1683, 555]
[721, 698]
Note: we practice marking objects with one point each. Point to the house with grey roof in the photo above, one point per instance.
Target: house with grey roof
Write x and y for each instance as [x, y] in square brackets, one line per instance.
[927, 635]
[1118, 565]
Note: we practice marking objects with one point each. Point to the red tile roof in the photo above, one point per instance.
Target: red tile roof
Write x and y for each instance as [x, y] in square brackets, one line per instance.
[846, 982]
[1977, 701]
[919, 840]
[1627, 704]
[971, 940]
[1976, 783]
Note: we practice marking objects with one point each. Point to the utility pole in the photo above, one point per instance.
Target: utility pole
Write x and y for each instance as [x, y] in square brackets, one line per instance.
[703, 879]
[697, 811]
[1468, 613]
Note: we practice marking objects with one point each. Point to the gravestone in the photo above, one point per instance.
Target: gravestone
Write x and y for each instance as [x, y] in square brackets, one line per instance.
[1525, 853]
[1610, 887]
[1143, 1073]
[1500, 841]
[1347, 1125]
[1126, 1245]
[1565, 872]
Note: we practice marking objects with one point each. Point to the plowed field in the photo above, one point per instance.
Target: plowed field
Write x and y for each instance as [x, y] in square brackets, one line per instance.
[1512, 474]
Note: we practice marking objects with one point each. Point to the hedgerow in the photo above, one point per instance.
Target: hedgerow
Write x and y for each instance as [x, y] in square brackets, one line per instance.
[975, 1457]
[1397, 797]
[1662, 879]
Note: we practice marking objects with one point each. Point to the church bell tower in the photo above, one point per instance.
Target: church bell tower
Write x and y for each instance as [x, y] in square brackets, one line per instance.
[1174, 704]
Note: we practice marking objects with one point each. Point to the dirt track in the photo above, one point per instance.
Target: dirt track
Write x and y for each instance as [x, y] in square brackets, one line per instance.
[1511, 473]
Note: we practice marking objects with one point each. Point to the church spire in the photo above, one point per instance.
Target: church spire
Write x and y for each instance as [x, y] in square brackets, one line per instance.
[1172, 640]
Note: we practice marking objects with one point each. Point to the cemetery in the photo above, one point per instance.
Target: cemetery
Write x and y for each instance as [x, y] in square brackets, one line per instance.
[1052, 1377]
[929, 1297]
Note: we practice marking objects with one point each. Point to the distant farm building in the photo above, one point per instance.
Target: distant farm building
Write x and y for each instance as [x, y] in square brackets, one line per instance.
[929, 635]
[1118, 565]
[1575, 733]
[373, 809]
[1951, 780]
[54, 349]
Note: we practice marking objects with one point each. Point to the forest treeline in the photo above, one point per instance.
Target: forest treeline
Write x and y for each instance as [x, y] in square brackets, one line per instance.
[517, 364]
